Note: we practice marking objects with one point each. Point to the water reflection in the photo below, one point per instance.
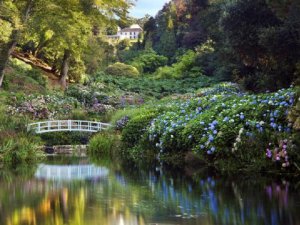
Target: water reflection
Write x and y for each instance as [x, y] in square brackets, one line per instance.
[70, 172]
[116, 195]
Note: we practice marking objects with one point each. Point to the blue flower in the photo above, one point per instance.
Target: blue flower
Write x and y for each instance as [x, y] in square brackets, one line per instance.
[274, 125]
[202, 146]
[226, 119]
[213, 149]
[215, 122]
[242, 116]
[210, 138]
[190, 136]
[215, 131]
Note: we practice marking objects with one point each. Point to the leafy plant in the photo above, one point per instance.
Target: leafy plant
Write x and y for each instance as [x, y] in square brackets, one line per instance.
[121, 69]
[102, 144]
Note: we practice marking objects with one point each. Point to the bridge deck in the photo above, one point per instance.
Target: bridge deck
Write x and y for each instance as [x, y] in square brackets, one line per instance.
[67, 125]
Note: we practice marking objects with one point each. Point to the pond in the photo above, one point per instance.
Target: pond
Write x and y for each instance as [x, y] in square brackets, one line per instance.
[76, 191]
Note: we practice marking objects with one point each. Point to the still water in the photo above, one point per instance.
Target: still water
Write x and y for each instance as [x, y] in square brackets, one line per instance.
[79, 192]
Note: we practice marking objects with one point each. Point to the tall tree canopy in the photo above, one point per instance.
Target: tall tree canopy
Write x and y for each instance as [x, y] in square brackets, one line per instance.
[58, 28]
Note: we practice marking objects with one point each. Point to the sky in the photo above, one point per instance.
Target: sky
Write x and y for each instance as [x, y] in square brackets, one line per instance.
[143, 7]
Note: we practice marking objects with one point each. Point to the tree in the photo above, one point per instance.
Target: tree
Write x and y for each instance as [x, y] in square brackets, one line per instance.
[61, 28]
[15, 15]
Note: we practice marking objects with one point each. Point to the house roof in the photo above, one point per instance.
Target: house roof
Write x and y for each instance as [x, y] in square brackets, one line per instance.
[127, 29]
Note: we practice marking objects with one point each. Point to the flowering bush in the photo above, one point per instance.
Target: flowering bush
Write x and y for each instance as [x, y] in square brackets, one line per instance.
[136, 127]
[220, 120]
[43, 106]
[121, 123]
[279, 153]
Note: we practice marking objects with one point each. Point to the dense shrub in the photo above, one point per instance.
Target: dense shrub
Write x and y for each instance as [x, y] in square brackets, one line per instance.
[39, 106]
[218, 123]
[183, 68]
[149, 61]
[135, 128]
[24, 150]
[121, 69]
[102, 144]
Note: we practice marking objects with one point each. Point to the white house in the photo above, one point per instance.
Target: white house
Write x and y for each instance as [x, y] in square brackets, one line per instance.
[131, 32]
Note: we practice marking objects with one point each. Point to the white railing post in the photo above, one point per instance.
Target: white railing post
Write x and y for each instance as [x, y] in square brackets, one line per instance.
[39, 128]
[48, 125]
[69, 125]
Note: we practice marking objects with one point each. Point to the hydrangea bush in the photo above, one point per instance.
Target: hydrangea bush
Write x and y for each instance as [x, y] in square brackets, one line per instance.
[43, 106]
[222, 120]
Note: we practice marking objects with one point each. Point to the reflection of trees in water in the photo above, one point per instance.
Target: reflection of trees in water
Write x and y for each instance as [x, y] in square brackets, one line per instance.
[66, 206]
[222, 201]
[144, 196]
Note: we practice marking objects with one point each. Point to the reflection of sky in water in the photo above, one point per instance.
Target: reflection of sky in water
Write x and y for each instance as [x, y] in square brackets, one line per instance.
[129, 197]
[70, 172]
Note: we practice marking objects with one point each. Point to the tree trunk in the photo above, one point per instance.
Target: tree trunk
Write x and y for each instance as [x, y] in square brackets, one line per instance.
[8, 48]
[65, 69]
[5, 52]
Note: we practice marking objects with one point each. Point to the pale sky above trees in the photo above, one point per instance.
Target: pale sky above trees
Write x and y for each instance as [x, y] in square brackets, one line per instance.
[143, 7]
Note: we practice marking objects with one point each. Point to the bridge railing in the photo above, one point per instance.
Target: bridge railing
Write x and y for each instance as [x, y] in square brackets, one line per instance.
[67, 125]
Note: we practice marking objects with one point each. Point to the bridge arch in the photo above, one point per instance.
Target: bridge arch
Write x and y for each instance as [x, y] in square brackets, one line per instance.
[67, 125]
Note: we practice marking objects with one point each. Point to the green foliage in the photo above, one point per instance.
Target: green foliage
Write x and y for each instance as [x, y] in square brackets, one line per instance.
[79, 114]
[149, 61]
[135, 128]
[121, 69]
[97, 55]
[183, 68]
[25, 150]
[5, 31]
[22, 77]
[269, 52]
[126, 90]
[42, 106]
[103, 144]
[65, 138]
[16, 146]
[218, 125]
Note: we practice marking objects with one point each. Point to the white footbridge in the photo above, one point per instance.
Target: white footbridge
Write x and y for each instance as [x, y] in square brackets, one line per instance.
[67, 125]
